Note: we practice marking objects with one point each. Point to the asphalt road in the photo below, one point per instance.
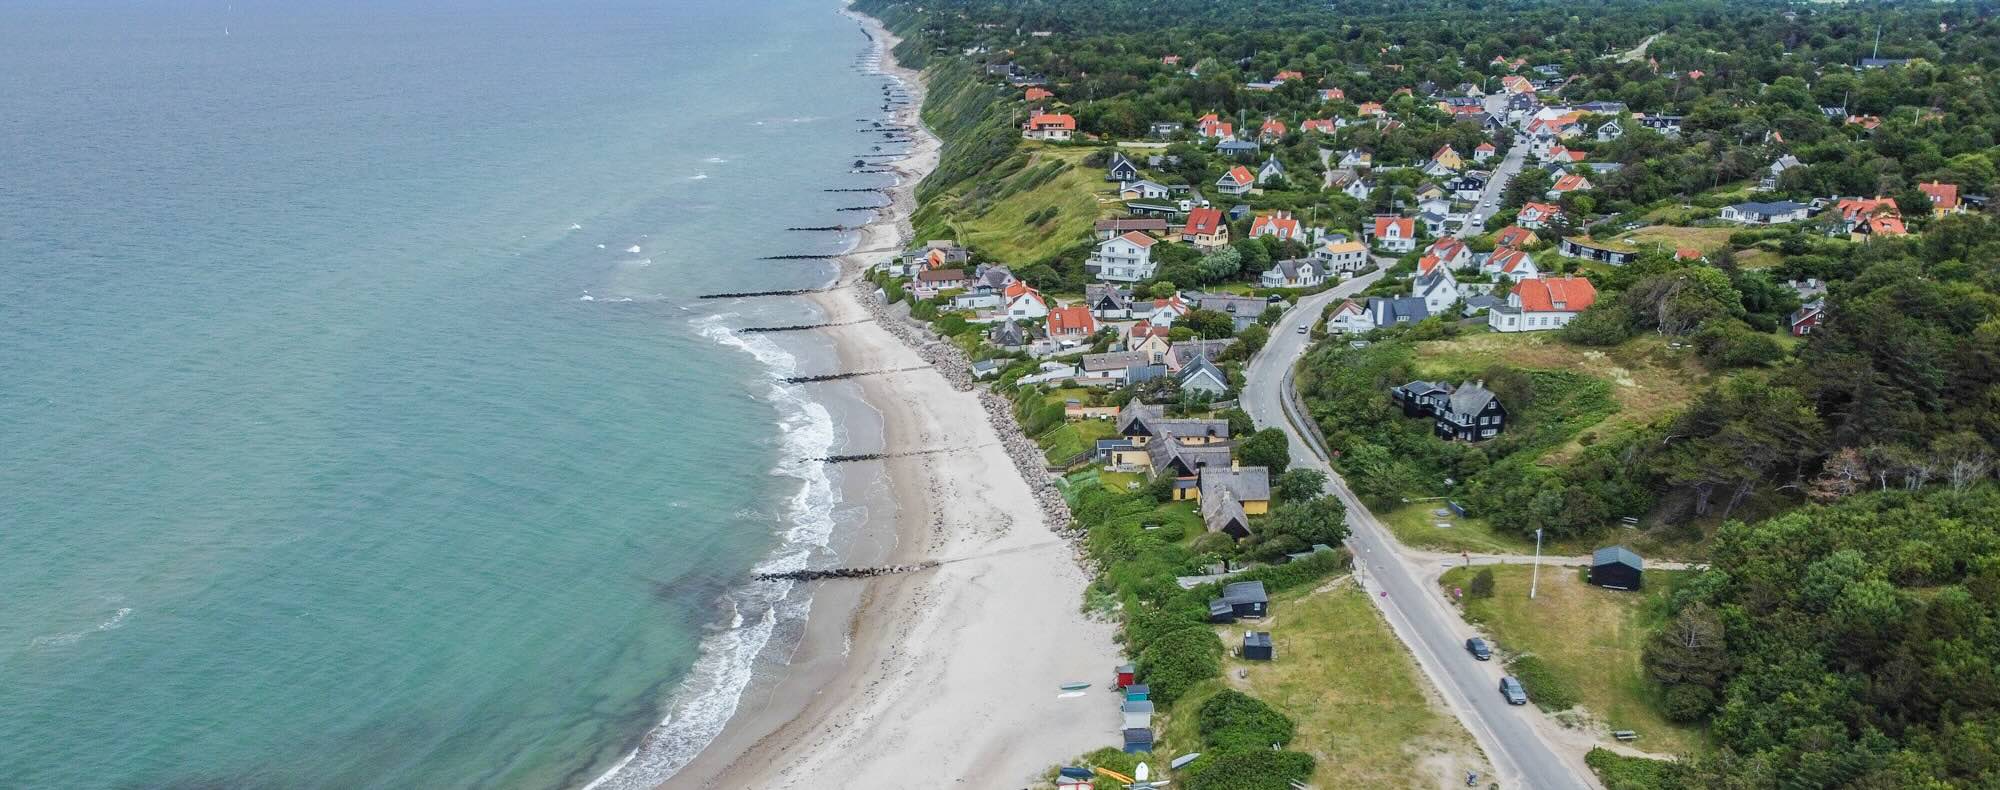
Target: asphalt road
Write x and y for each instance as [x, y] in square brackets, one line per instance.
[1435, 634]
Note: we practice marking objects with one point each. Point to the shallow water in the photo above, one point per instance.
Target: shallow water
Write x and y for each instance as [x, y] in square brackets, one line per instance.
[357, 425]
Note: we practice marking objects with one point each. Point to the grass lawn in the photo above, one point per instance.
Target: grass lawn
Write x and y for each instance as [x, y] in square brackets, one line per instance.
[1357, 695]
[1759, 258]
[1708, 240]
[1415, 525]
[1647, 379]
[1078, 195]
[1070, 438]
[1589, 636]
[1120, 482]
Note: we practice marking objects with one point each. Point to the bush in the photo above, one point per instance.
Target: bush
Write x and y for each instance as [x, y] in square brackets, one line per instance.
[1619, 772]
[1178, 660]
[1260, 769]
[1545, 687]
[1604, 324]
[1234, 720]
[1481, 585]
[1687, 703]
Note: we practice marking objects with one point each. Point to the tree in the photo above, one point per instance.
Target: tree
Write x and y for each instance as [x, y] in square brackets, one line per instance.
[1209, 324]
[1691, 653]
[1268, 448]
[1234, 720]
[1320, 520]
[1299, 484]
[1175, 661]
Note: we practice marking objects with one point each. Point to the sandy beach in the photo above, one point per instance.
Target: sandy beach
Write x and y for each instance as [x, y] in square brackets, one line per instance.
[950, 675]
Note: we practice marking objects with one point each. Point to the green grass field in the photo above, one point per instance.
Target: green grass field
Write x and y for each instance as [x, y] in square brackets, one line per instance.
[1357, 695]
[1078, 197]
[1590, 637]
[1648, 380]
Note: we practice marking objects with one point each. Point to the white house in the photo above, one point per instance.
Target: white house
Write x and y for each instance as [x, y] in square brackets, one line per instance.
[1271, 171]
[1127, 258]
[1542, 303]
[1279, 224]
[1024, 302]
[1536, 216]
[1513, 264]
[1777, 213]
[1238, 181]
[1450, 253]
[1143, 190]
[1439, 290]
[1349, 318]
[1342, 257]
[1161, 312]
[1394, 234]
[1293, 273]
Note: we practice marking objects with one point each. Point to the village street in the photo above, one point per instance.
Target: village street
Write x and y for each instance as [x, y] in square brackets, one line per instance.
[1512, 736]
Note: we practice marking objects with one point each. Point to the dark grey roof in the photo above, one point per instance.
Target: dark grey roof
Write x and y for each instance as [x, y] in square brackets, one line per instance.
[1256, 639]
[1231, 303]
[1469, 400]
[1236, 146]
[1136, 706]
[1245, 592]
[1619, 555]
[1202, 367]
[1186, 350]
[1389, 310]
[1113, 360]
[1246, 483]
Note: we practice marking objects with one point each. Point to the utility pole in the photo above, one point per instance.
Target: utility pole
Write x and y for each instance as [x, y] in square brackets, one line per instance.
[1535, 576]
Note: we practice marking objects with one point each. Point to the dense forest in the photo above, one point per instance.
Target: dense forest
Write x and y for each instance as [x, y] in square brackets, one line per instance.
[1843, 480]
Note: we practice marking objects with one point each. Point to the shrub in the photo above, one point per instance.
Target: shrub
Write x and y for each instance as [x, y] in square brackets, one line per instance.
[1481, 585]
[1178, 660]
[1261, 769]
[1687, 703]
[1619, 772]
[1234, 720]
[1545, 687]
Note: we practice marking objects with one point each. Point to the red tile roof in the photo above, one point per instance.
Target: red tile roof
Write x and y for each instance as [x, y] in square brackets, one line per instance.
[1037, 94]
[1073, 320]
[1052, 121]
[1321, 125]
[1142, 240]
[1282, 224]
[1856, 209]
[1943, 196]
[1507, 259]
[1543, 210]
[1556, 294]
[1571, 183]
[1405, 226]
[1202, 222]
[1331, 94]
[1886, 226]
[1017, 289]
[1240, 175]
[1514, 236]
[1488, 147]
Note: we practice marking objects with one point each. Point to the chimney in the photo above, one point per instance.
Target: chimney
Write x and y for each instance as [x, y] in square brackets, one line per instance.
[1481, 384]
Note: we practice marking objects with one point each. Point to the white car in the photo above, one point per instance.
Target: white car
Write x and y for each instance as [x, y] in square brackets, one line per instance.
[1304, 328]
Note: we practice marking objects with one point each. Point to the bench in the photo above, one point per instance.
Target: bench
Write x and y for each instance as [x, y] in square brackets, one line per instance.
[1625, 735]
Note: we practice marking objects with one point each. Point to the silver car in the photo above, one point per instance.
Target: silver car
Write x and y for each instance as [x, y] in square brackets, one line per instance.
[1511, 689]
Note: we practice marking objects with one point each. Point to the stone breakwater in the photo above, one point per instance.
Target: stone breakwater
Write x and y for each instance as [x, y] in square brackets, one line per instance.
[951, 362]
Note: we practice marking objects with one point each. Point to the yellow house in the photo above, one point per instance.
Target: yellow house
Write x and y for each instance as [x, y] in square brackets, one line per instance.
[1449, 158]
[1141, 425]
[1249, 486]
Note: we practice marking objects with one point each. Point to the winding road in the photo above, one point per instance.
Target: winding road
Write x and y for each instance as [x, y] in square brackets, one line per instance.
[1435, 635]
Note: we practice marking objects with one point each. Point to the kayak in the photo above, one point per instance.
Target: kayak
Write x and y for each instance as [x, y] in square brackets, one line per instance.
[1075, 686]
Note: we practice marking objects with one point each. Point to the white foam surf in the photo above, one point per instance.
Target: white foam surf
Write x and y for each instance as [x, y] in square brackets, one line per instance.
[708, 697]
[57, 640]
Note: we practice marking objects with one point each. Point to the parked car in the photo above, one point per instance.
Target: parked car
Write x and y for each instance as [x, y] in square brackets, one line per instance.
[1511, 689]
[1304, 329]
[1479, 649]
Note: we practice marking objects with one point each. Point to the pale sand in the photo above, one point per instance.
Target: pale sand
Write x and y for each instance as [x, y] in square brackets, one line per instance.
[949, 676]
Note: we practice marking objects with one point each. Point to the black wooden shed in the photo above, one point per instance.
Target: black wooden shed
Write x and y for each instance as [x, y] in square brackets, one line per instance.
[1616, 568]
[1257, 646]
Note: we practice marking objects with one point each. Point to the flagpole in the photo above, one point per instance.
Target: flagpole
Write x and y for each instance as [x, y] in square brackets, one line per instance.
[1535, 576]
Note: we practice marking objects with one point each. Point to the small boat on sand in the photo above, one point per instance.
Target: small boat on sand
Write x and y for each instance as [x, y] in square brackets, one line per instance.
[1075, 686]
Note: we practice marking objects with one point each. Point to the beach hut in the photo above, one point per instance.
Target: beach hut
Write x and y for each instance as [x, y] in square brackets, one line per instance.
[1127, 674]
[1257, 646]
[1616, 568]
[1138, 739]
[1138, 714]
[1137, 691]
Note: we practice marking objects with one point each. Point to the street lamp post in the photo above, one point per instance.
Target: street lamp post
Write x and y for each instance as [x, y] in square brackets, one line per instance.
[1535, 576]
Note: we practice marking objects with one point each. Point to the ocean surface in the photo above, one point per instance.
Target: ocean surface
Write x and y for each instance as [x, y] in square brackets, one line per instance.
[358, 425]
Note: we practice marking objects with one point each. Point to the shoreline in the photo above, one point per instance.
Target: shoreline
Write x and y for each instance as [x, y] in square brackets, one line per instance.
[948, 674]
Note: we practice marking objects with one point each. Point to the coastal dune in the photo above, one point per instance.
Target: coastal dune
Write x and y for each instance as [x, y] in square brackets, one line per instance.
[947, 675]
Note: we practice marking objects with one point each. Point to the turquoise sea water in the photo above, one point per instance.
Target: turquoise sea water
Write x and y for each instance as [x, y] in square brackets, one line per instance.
[345, 438]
